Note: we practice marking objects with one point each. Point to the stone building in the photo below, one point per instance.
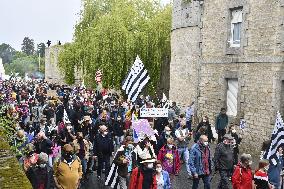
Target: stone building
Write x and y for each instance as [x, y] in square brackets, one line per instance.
[230, 53]
[52, 71]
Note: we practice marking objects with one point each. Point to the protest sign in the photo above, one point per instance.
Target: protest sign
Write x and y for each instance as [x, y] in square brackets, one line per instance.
[154, 112]
[51, 93]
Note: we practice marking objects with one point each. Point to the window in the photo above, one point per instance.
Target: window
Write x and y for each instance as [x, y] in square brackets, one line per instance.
[236, 27]
[232, 97]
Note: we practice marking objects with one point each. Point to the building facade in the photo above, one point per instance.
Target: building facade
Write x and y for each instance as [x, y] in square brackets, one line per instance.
[230, 53]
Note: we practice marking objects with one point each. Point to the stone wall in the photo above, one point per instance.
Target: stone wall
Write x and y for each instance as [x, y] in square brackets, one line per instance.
[202, 61]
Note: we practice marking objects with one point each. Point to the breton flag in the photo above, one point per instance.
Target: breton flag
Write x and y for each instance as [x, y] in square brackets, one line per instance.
[65, 117]
[136, 79]
[277, 139]
[165, 102]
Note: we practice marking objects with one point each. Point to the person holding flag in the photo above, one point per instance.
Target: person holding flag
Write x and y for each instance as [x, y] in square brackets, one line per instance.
[275, 152]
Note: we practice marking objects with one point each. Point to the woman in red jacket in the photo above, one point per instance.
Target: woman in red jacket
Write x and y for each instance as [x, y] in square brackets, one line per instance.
[243, 177]
[144, 177]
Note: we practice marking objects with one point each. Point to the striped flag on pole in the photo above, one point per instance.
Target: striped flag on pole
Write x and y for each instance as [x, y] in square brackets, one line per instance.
[136, 79]
[277, 139]
[99, 76]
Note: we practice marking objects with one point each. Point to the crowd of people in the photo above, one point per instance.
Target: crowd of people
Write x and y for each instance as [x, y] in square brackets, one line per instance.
[59, 140]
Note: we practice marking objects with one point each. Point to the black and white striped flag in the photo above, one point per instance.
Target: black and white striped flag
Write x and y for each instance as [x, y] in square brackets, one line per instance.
[112, 178]
[136, 79]
[277, 139]
[165, 102]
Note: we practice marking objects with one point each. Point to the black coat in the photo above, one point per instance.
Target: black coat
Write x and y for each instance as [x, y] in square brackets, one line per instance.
[103, 146]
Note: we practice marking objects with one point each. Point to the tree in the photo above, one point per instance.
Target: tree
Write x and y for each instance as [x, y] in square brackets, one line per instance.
[28, 46]
[22, 65]
[41, 49]
[6, 53]
[109, 36]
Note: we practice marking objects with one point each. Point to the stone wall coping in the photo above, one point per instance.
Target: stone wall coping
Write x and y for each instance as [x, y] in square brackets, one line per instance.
[251, 59]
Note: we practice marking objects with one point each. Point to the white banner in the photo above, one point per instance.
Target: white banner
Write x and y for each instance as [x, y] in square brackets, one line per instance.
[154, 112]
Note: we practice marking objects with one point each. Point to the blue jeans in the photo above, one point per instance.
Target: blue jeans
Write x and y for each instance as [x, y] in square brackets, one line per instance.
[206, 181]
[184, 154]
[84, 165]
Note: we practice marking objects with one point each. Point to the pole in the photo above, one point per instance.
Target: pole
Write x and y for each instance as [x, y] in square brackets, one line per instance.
[38, 61]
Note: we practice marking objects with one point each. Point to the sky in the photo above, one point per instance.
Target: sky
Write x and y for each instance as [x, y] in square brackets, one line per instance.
[40, 20]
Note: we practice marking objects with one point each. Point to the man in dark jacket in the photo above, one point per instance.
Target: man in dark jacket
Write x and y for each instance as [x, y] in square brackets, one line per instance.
[221, 124]
[223, 160]
[43, 144]
[103, 150]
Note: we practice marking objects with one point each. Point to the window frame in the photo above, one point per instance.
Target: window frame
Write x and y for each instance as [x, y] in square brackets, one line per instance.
[233, 22]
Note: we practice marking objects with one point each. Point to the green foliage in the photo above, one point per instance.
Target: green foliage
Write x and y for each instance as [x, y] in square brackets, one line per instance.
[41, 49]
[22, 65]
[11, 174]
[28, 46]
[6, 53]
[109, 36]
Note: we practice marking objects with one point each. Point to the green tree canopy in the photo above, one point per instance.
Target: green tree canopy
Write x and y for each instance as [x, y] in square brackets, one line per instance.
[6, 53]
[41, 49]
[28, 46]
[22, 65]
[109, 36]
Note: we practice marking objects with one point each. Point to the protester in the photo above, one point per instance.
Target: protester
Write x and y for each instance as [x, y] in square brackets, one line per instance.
[68, 171]
[204, 128]
[243, 176]
[221, 124]
[169, 157]
[223, 161]
[236, 143]
[275, 168]
[189, 115]
[162, 177]
[42, 174]
[43, 144]
[162, 140]
[200, 162]
[261, 177]
[183, 137]
[82, 148]
[103, 150]
[144, 177]
[125, 159]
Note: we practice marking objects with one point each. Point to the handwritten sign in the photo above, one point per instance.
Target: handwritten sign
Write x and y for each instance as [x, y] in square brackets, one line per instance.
[154, 112]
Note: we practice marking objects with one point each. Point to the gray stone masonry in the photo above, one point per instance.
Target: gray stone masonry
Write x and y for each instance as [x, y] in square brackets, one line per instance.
[202, 61]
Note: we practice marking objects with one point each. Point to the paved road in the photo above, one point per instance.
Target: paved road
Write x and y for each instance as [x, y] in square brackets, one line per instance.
[179, 182]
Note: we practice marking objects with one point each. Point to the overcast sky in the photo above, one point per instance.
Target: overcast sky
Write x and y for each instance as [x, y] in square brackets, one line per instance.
[40, 20]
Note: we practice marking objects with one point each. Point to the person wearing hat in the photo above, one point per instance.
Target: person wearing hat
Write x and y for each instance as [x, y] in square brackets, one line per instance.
[42, 173]
[68, 171]
[103, 149]
[224, 160]
[261, 177]
[144, 177]
[242, 176]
